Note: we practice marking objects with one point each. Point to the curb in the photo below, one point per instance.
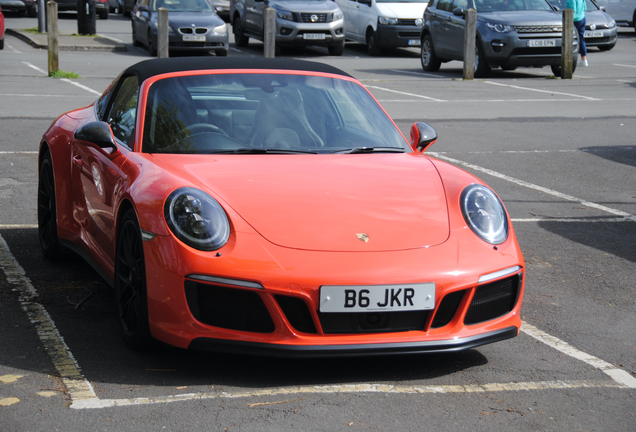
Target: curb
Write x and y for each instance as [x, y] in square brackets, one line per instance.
[66, 42]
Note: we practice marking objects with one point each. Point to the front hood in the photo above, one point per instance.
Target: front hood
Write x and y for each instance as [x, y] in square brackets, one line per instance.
[188, 19]
[326, 202]
[319, 6]
[521, 17]
[402, 10]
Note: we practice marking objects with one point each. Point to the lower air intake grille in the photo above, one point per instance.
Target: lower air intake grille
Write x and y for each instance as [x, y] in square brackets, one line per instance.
[297, 313]
[234, 309]
[372, 322]
[447, 308]
[493, 300]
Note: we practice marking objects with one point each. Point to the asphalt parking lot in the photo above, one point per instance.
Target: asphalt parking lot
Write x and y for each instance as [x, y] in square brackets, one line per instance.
[560, 153]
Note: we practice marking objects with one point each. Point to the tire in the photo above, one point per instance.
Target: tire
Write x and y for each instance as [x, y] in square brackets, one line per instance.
[130, 285]
[508, 68]
[606, 47]
[336, 50]
[152, 49]
[221, 53]
[482, 69]
[136, 41]
[32, 11]
[373, 49]
[556, 69]
[47, 210]
[2, 43]
[430, 62]
[239, 36]
[103, 14]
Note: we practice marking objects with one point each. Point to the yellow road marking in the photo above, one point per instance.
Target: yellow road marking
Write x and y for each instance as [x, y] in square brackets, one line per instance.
[9, 401]
[10, 378]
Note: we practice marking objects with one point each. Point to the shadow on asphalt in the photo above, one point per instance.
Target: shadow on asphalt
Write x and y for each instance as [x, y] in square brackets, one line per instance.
[92, 333]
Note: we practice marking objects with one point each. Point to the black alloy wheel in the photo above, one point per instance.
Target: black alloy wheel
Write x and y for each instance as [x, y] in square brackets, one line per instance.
[482, 68]
[336, 50]
[130, 285]
[47, 216]
[430, 62]
[239, 37]
[372, 44]
[152, 49]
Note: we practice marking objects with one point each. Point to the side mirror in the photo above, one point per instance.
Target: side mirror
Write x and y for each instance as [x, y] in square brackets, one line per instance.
[459, 11]
[142, 8]
[98, 133]
[422, 136]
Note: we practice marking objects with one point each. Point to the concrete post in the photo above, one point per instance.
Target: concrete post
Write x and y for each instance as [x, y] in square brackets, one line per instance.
[162, 34]
[53, 44]
[270, 33]
[470, 34]
[567, 41]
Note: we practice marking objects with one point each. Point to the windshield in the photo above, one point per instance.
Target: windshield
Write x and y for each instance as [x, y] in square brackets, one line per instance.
[591, 7]
[265, 113]
[511, 5]
[401, 1]
[183, 5]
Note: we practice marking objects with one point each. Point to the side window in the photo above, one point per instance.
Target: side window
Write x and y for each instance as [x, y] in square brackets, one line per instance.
[444, 5]
[123, 113]
[459, 4]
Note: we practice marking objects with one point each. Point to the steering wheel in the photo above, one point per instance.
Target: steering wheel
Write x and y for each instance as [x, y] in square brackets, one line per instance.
[201, 128]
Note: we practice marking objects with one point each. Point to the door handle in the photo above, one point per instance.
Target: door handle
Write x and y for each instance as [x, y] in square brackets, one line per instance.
[77, 160]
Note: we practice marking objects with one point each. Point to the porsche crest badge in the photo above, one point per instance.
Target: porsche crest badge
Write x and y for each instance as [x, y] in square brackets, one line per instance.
[363, 237]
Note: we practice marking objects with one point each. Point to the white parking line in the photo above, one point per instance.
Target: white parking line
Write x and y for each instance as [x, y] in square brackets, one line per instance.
[83, 87]
[535, 187]
[83, 395]
[568, 220]
[624, 65]
[540, 91]
[405, 93]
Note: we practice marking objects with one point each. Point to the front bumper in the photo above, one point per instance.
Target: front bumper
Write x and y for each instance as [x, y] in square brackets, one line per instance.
[195, 301]
[511, 49]
[608, 38]
[290, 33]
[392, 36]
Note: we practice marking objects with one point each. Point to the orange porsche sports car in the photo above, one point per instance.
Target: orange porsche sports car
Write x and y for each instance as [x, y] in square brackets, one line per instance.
[271, 206]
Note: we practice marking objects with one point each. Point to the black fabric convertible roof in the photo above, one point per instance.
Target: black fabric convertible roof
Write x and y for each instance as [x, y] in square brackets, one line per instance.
[149, 68]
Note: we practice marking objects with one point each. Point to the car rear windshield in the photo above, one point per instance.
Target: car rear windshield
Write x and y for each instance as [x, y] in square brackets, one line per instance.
[238, 113]
[183, 5]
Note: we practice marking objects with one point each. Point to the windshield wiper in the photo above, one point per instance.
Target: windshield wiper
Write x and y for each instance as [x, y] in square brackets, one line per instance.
[251, 150]
[370, 150]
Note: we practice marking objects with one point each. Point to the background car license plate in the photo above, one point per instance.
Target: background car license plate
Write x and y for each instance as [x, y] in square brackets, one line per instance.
[542, 43]
[593, 34]
[361, 298]
[415, 42]
[314, 36]
[194, 38]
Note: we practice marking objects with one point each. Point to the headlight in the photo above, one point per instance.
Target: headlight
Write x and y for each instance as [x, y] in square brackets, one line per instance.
[499, 28]
[484, 213]
[220, 30]
[612, 24]
[337, 16]
[197, 219]
[387, 21]
[283, 14]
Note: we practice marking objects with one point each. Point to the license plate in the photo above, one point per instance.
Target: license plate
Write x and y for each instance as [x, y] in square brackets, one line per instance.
[314, 36]
[377, 298]
[414, 42]
[542, 43]
[593, 34]
[194, 38]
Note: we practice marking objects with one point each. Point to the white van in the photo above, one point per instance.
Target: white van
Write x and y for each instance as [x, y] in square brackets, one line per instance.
[383, 23]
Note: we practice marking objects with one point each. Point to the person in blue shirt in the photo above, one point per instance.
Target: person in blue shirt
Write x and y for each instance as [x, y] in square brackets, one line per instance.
[579, 7]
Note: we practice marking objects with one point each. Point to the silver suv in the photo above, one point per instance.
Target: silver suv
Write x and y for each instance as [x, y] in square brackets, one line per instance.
[298, 23]
[510, 33]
